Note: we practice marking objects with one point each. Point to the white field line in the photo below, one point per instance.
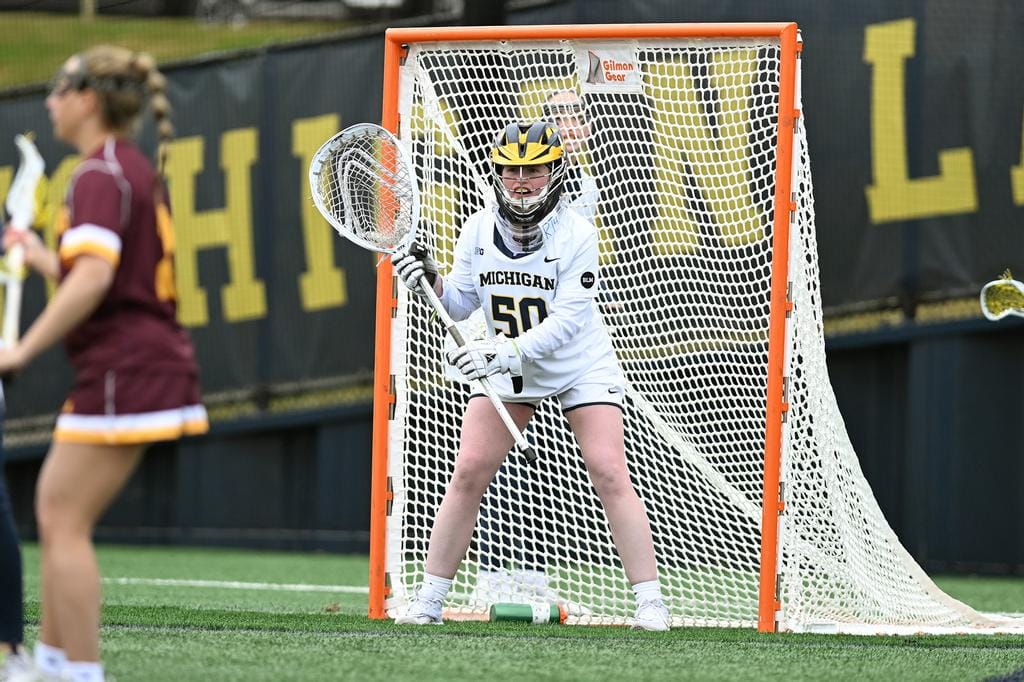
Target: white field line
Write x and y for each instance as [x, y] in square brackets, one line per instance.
[235, 585]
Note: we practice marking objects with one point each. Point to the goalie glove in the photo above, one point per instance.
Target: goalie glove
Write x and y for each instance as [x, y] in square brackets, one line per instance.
[484, 357]
[413, 261]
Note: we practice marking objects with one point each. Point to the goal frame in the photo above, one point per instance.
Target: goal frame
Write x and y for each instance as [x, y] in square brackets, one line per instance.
[396, 45]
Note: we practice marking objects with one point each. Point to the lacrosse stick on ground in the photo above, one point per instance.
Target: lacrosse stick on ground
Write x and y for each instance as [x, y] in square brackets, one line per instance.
[21, 210]
[364, 184]
[1002, 297]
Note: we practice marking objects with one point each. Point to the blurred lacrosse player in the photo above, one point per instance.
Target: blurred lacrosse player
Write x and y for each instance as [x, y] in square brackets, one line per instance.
[136, 380]
[12, 608]
[566, 109]
[532, 265]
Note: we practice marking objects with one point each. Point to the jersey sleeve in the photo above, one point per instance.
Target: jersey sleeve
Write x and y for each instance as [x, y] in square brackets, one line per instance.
[97, 209]
[459, 295]
[573, 304]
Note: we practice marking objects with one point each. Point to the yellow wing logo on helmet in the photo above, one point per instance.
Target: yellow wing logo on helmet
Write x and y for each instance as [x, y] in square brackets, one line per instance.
[522, 145]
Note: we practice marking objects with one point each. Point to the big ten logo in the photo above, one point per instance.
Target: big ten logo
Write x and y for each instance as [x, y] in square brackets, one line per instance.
[321, 284]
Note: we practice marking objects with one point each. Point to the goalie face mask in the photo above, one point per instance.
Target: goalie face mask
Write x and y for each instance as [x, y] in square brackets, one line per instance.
[528, 178]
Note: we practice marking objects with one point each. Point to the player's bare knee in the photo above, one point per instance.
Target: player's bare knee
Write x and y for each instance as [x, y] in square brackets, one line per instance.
[56, 522]
[610, 482]
[471, 477]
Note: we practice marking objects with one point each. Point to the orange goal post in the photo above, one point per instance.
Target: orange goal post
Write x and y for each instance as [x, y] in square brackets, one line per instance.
[693, 137]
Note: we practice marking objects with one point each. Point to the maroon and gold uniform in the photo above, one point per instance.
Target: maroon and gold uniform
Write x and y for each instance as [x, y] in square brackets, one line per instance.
[136, 374]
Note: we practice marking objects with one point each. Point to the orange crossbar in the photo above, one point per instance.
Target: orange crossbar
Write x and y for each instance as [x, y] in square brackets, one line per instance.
[395, 41]
[586, 31]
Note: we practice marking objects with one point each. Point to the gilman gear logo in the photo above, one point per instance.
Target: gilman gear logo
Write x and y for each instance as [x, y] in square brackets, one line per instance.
[608, 68]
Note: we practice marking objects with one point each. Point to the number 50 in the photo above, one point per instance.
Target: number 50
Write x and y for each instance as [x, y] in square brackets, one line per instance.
[517, 318]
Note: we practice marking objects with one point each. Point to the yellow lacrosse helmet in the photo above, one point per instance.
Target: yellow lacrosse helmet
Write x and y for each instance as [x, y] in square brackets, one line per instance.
[528, 144]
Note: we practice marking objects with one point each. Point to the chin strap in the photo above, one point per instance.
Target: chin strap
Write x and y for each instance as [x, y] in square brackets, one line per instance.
[544, 229]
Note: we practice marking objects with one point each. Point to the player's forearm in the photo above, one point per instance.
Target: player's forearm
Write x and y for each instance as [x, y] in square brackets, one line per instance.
[76, 298]
[45, 262]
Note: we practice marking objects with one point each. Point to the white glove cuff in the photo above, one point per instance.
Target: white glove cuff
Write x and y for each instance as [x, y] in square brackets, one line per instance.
[509, 357]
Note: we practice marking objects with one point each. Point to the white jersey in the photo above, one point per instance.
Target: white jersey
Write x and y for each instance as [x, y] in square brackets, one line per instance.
[582, 194]
[546, 300]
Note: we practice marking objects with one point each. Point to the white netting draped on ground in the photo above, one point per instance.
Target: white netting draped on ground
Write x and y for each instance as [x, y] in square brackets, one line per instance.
[683, 151]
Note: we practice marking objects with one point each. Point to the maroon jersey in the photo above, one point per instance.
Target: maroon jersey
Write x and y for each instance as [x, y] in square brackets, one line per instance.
[117, 210]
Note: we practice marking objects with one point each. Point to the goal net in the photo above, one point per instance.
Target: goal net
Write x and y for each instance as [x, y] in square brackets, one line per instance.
[684, 138]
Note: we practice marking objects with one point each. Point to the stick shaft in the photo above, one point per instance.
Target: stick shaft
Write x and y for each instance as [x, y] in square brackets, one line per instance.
[12, 296]
[506, 418]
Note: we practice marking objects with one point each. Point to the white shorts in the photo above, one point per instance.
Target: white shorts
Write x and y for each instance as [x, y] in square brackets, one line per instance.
[600, 386]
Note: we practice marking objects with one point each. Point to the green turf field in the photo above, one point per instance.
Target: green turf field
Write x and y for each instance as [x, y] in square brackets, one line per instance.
[192, 614]
[35, 44]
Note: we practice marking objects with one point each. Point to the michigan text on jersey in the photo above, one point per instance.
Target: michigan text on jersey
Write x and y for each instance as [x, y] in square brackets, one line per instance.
[519, 279]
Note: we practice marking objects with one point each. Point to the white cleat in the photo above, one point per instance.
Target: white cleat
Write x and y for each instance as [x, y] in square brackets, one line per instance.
[21, 668]
[651, 615]
[30, 676]
[421, 612]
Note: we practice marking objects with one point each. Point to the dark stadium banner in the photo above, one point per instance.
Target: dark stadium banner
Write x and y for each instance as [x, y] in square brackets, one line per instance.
[281, 309]
[914, 115]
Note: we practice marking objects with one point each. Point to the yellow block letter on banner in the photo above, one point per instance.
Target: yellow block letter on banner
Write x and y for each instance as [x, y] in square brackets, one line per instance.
[1017, 173]
[244, 298]
[323, 284]
[894, 195]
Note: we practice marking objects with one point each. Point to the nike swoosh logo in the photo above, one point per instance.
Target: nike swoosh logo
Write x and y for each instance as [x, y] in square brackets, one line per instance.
[549, 260]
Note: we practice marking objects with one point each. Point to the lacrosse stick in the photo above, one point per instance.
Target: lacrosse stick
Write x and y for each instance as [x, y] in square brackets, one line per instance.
[1002, 297]
[21, 209]
[364, 184]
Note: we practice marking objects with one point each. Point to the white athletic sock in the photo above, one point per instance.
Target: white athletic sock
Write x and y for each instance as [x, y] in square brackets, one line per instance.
[648, 591]
[49, 659]
[84, 671]
[435, 587]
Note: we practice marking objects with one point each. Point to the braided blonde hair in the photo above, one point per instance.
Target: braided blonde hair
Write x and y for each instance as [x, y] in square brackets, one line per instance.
[124, 81]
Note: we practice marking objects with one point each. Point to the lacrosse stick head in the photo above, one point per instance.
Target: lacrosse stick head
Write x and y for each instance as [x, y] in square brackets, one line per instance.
[21, 197]
[364, 185]
[1002, 297]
